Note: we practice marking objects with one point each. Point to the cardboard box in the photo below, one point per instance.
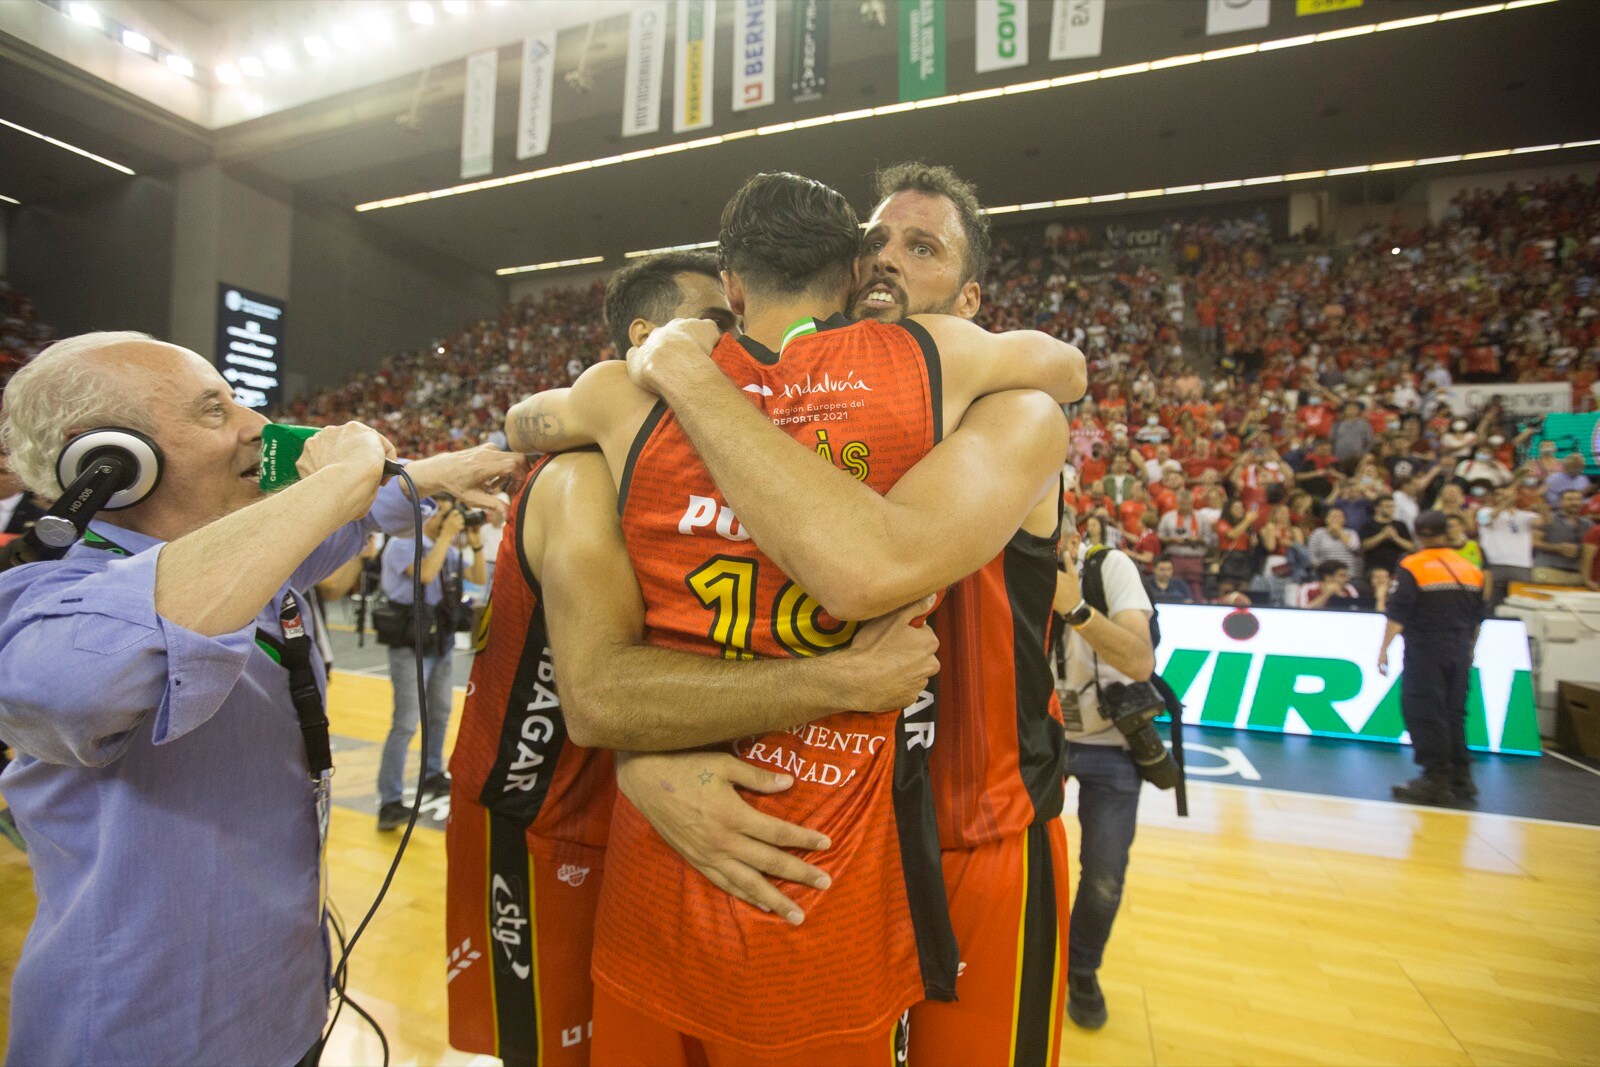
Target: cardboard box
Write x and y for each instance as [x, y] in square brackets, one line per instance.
[1578, 718]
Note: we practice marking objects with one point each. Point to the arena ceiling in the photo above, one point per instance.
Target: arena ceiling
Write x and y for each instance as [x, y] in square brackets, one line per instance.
[1516, 78]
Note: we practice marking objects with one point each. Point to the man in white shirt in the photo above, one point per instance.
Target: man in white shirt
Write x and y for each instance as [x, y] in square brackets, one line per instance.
[1505, 533]
[1106, 643]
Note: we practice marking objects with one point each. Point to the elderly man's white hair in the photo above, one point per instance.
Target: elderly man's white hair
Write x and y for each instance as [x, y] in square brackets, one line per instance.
[61, 389]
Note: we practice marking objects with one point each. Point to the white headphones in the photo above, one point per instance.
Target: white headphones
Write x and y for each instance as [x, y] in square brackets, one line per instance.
[141, 456]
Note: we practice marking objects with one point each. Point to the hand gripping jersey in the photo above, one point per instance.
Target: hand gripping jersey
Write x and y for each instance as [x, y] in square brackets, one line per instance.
[530, 814]
[997, 769]
[866, 397]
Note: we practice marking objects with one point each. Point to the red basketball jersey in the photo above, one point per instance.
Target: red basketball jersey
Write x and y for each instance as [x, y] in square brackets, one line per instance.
[512, 749]
[867, 397]
[997, 768]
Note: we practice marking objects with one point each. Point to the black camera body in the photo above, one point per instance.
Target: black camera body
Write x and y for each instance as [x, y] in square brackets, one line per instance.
[474, 517]
[1132, 708]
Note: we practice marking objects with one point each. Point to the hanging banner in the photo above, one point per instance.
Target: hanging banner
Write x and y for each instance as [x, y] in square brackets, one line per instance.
[921, 49]
[538, 87]
[1076, 28]
[641, 87]
[755, 27]
[1231, 16]
[1318, 7]
[477, 114]
[691, 74]
[809, 63]
[1002, 34]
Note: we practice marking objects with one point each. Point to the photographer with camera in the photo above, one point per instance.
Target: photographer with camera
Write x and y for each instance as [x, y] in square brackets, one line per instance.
[1108, 707]
[442, 576]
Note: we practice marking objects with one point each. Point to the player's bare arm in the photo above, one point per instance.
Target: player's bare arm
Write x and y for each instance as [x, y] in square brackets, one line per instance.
[619, 692]
[977, 363]
[602, 408]
[861, 554]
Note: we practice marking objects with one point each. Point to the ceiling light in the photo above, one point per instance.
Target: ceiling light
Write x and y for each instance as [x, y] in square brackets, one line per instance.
[179, 65]
[317, 47]
[251, 66]
[1395, 251]
[454, 7]
[552, 265]
[1288, 42]
[421, 12]
[344, 37]
[85, 153]
[1468, 12]
[85, 14]
[670, 248]
[377, 27]
[1404, 24]
[278, 58]
[228, 74]
[8, 200]
[137, 41]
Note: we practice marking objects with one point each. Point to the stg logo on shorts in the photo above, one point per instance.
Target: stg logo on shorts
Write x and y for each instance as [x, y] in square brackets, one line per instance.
[511, 926]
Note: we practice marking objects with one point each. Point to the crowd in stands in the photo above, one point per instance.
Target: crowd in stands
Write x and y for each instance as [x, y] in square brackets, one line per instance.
[1264, 421]
[22, 335]
[457, 390]
[1292, 475]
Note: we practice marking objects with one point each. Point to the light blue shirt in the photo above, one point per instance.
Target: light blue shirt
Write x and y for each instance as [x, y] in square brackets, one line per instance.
[162, 788]
[1560, 482]
[398, 556]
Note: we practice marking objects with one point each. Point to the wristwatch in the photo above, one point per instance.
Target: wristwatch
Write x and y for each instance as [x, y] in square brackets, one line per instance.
[1079, 616]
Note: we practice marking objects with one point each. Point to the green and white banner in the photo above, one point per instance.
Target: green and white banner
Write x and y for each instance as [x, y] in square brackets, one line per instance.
[1572, 433]
[1002, 38]
[691, 77]
[1315, 672]
[808, 60]
[921, 49]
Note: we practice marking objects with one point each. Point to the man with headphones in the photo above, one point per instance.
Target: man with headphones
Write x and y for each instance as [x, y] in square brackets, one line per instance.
[160, 689]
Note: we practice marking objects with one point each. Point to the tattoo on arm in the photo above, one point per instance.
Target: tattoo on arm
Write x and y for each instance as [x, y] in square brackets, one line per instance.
[538, 428]
[705, 777]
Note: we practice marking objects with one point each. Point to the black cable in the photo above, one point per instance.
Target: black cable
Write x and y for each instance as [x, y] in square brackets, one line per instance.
[419, 644]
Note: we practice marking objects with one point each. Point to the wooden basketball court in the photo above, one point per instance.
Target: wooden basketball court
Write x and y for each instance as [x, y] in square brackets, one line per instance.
[1268, 928]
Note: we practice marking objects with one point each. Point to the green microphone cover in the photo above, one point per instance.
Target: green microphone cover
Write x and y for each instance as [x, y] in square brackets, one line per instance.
[281, 445]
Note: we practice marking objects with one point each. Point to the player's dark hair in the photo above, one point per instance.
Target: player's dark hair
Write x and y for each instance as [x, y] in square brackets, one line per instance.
[786, 234]
[942, 181]
[649, 290]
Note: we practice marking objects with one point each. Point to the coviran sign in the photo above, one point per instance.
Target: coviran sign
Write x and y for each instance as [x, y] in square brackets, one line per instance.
[1316, 672]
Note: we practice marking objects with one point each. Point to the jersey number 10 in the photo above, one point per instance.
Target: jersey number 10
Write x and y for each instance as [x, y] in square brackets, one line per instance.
[727, 586]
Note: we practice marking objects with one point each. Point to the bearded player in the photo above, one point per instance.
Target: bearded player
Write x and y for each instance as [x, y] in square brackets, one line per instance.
[696, 974]
[997, 769]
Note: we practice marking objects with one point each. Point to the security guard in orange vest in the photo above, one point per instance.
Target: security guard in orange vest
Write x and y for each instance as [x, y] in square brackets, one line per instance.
[1437, 602]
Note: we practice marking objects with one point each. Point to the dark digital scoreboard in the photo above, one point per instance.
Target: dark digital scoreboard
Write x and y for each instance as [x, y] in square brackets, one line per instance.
[250, 345]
